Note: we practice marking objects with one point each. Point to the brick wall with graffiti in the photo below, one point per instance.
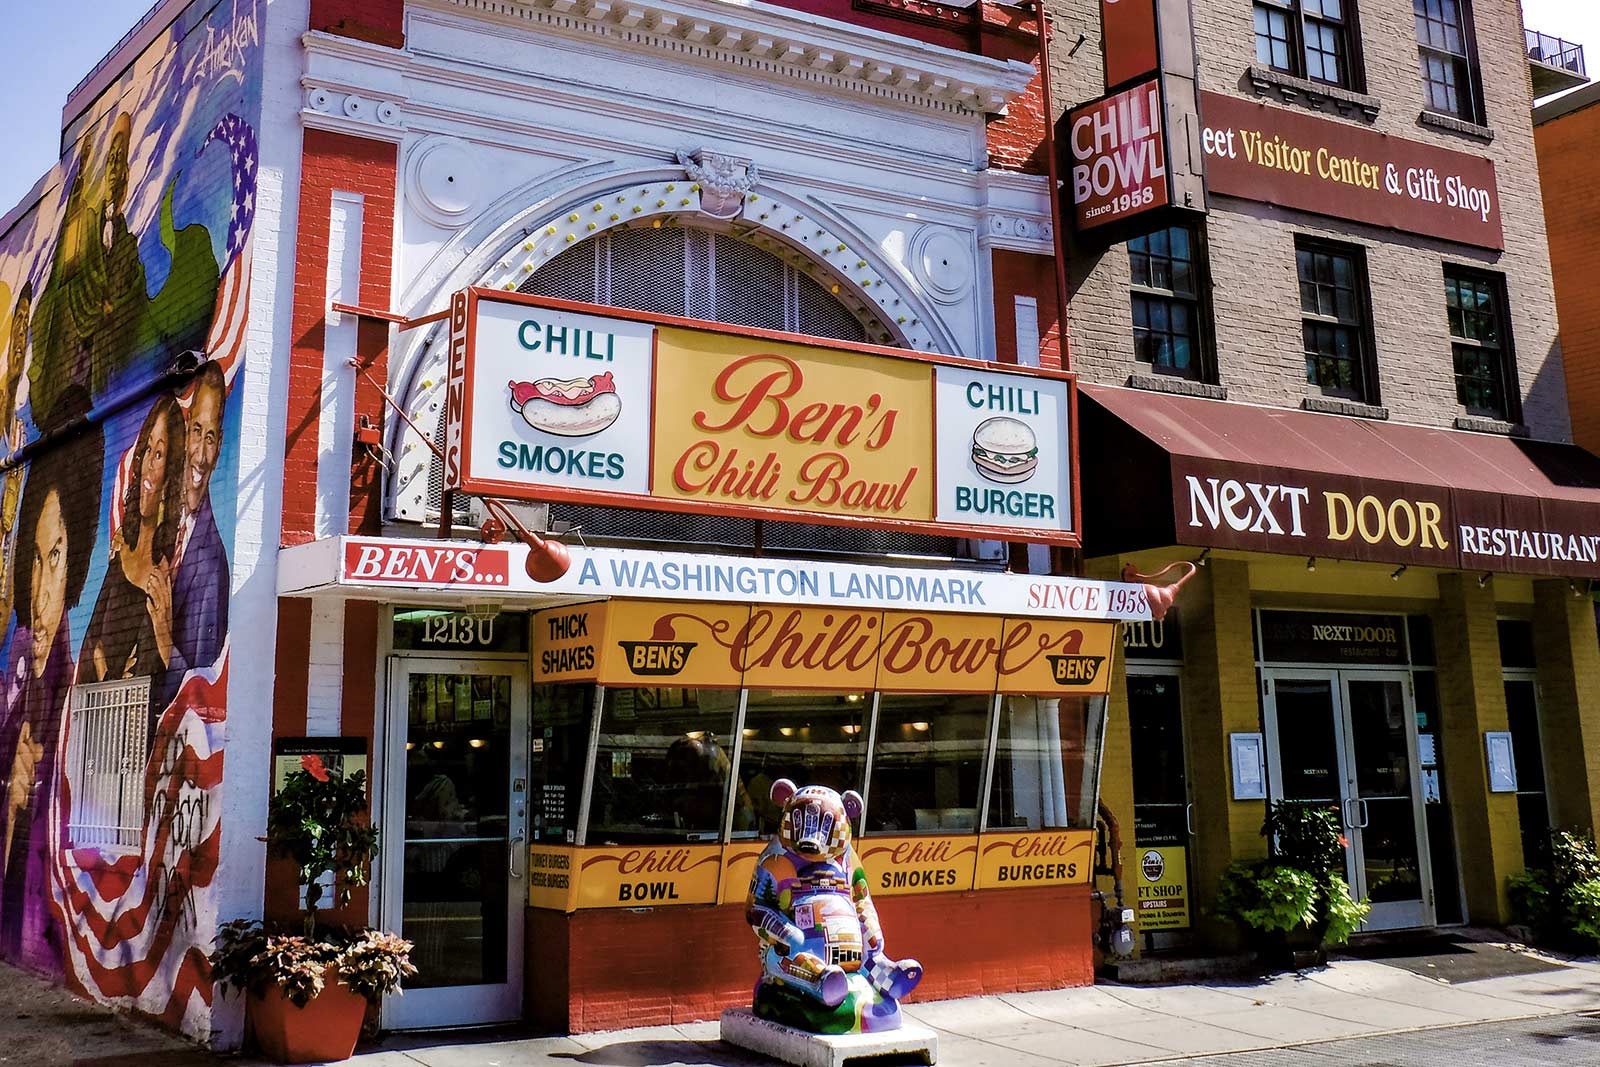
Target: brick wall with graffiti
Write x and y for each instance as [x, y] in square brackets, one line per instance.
[124, 291]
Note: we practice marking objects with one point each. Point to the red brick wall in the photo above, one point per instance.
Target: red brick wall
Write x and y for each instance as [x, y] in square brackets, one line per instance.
[1016, 139]
[1022, 274]
[334, 161]
[1566, 148]
[378, 21]
[612, 968]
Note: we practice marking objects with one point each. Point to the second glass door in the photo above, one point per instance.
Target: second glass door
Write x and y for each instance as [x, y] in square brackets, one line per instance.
[1347, 739]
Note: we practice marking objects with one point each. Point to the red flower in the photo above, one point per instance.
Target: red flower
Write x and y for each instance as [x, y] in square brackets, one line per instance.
[1343, 843]
[312, 765]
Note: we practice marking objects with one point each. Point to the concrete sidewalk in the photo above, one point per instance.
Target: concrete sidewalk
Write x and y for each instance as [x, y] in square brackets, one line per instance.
[1104, 1024]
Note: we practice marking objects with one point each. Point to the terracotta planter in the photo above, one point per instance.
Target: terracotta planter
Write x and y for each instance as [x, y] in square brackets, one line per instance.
[324, 1030]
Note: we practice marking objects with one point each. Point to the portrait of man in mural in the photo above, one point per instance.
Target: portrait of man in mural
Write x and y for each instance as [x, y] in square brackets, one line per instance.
[200, 570]
[56, 527]
[89, 312]
[130, 632]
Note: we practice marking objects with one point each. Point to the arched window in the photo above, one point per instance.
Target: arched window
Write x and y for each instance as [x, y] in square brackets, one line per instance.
[712, 275]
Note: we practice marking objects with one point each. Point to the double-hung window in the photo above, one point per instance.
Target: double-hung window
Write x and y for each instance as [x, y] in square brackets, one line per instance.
[1308, 38]
[1165, 271]
[1480, 343]
[1335, 320]
[1449, 67]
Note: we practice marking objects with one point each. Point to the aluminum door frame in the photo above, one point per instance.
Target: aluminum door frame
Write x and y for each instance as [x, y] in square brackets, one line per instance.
[468, 1005]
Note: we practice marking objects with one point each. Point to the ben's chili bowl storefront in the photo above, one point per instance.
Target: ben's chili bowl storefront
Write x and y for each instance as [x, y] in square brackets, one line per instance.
[584, 787]
[574, 774]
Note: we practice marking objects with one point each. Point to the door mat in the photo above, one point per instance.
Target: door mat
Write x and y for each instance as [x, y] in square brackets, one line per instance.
[1446, 957]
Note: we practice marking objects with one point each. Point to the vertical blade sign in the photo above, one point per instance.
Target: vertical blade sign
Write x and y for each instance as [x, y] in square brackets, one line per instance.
[1118, 162]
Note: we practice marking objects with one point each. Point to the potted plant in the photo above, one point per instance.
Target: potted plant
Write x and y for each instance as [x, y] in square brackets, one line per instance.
[1295, 902]
[308, 987]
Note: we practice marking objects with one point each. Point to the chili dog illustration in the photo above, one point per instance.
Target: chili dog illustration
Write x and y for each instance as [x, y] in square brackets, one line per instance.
[567, 407]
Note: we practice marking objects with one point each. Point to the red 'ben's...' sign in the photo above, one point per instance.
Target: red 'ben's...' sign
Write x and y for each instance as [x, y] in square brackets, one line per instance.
[1119, 156]
[448, 565]
[1260, 152]
[1128, 28]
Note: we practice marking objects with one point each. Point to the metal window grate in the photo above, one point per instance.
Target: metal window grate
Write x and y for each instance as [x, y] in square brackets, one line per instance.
[108, 745]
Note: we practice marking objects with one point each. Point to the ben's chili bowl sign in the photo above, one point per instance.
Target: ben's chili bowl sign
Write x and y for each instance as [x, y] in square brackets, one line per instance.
[1119, 156]
[567, 402]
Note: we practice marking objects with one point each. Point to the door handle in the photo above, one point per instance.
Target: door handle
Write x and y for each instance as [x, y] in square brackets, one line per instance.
[511, 859]
[1361, 806]
[1188, 818]
[1346, 812]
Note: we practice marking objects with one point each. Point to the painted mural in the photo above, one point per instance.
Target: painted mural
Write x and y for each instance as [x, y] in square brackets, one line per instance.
[129, 270]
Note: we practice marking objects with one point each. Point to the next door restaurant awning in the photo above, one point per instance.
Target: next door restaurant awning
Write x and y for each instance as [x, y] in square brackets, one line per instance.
[1162, 470]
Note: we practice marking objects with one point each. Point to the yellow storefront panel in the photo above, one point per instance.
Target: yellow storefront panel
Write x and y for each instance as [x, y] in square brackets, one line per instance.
[566, 643]
[922, 864]
[1014, 860]
[1056, 656]
[809, 648]
[924, 652]
[552, 877]
[738, 864]
[680, 643]
[643, 877]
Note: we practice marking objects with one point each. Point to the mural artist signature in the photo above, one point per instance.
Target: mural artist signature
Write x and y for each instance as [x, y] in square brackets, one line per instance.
[227, 49]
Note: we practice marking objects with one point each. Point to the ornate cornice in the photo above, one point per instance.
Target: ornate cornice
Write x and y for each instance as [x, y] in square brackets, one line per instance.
[762, 40]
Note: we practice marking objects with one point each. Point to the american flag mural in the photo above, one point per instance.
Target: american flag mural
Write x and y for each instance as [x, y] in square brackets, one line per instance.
[113, 701]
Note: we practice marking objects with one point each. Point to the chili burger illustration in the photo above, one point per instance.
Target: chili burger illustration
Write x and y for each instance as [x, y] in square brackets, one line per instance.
[567, 407]
[1005, 449]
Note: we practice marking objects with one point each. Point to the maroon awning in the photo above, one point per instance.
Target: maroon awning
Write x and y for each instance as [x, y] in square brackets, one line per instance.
[1161, 469]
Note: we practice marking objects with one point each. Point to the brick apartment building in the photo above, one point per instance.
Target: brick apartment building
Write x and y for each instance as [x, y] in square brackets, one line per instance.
[1565, 131]
[1339, 387]
[265, 496]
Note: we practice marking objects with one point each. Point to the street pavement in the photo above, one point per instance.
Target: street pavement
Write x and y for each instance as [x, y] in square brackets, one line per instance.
[1357, 1012]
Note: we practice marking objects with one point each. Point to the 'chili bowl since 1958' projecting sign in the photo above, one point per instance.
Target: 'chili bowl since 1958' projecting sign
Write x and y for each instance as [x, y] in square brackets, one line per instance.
[550, 400]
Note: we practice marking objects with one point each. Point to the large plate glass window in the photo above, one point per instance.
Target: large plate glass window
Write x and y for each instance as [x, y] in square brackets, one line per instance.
[927, 762]
[811, 738]
[662, 766]
[1046, 762]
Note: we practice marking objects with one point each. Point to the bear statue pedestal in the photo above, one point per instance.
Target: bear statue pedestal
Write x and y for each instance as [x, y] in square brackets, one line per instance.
[741, 1027]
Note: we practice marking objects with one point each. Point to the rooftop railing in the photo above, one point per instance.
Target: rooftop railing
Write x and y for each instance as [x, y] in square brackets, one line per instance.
[1554, 52]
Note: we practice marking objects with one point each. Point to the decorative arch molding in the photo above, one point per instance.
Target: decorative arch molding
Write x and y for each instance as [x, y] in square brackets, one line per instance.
[561, 210]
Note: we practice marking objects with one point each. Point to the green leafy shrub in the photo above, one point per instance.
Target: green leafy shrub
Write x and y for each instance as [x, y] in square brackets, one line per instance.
[1299, 888]
[1560, 902]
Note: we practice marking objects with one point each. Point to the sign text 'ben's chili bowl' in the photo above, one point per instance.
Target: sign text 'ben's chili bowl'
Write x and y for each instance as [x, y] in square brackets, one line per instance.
[558, 401]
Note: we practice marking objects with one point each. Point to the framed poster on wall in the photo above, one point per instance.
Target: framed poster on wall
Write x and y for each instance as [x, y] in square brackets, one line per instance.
[1249, 766]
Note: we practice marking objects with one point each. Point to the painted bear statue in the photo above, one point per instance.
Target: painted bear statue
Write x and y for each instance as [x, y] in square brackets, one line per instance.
[823, 967]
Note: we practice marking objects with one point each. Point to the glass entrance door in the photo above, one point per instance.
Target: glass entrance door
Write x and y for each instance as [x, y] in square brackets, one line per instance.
[1384, 810]
[1347, 739]
[454, 848]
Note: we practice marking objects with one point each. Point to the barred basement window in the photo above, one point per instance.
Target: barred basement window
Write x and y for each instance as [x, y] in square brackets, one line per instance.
[1475, 306]
[108, 745]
